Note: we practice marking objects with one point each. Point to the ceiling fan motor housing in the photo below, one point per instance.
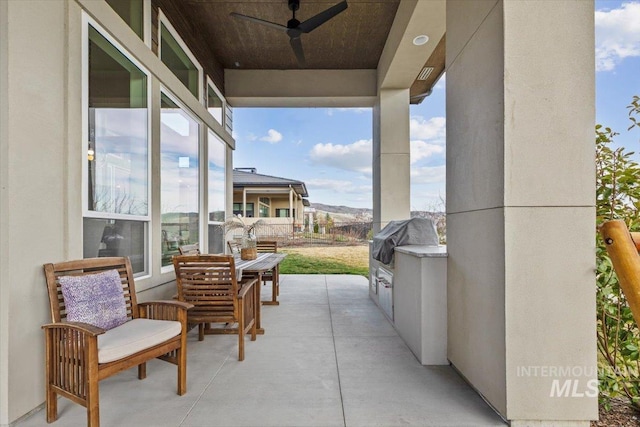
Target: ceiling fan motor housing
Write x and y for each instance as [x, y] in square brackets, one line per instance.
[294, 5]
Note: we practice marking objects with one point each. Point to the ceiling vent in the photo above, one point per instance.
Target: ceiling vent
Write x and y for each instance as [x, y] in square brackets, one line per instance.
[425, 73]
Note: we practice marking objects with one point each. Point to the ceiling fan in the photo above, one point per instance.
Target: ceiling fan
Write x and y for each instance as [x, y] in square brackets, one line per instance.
[295, 28]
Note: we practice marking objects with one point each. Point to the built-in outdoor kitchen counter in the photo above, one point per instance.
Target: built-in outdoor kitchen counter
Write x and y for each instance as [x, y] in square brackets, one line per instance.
[412, 291]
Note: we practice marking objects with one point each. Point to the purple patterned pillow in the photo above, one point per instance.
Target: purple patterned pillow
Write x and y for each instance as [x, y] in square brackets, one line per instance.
[96, 299]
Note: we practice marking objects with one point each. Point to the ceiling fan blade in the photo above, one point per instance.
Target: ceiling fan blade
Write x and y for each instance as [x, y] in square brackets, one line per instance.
[259, 21]
[296, 44]
[315, 21]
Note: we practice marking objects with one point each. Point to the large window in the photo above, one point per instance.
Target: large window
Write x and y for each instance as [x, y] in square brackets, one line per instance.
[264, 207]
[179, 178]
[117, 155]
[284, 213]
[179, 59]
[217, 200]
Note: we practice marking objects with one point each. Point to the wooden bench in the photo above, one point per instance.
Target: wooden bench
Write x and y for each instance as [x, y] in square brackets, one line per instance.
[79, 355]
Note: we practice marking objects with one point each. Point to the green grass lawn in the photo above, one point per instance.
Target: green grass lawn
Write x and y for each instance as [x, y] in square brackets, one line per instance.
[300, 264]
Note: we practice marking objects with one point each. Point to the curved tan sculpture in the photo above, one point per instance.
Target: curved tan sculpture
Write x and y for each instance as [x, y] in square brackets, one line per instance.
[623, 251]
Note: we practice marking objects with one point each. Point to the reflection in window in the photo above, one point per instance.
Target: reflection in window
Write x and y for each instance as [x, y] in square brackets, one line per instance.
[214, 104]
[174, 57]
[115, 237]
[118, 135]
[217, 200]
[264, 204]
[216, 239]
[283, 213]
[132, 12]
[179, 178]
[216, 178]
[117, 179]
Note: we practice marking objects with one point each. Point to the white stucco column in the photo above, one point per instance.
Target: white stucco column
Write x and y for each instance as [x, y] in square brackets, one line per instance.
[4, 224]
[291, 204]
[520, 206]
[34, 109]
[391, 163]
[244, 203]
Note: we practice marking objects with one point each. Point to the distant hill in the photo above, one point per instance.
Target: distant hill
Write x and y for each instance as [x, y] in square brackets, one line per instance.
[341, 209]
[343, 213]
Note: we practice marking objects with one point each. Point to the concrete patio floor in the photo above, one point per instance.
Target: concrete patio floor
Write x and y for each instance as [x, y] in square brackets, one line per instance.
[328, 358]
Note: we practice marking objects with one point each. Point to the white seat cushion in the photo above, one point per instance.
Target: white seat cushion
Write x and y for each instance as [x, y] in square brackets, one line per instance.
[134, 336]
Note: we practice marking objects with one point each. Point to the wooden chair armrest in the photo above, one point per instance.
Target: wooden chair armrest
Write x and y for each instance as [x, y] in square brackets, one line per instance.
[164, 310]
[177, 304]
[246, 285]
[84, 328]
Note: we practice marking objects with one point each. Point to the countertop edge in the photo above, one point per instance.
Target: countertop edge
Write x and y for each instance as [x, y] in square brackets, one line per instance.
[423, 251]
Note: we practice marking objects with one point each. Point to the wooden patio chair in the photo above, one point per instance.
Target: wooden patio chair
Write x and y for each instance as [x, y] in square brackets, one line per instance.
[209, 282]
[79, 355]
[268, 246]
[193, 249]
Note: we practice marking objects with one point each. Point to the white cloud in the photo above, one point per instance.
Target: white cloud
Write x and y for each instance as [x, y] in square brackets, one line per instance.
[422, 150]
[337, 186]
[617, 35]
[428, 175]
[352, 157]
[433, 129]
[272, 137]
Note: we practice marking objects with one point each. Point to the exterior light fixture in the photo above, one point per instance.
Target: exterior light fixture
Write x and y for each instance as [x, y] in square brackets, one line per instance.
[420, 40]
[90, 154]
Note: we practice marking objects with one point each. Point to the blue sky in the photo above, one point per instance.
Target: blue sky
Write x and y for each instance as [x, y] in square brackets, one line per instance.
[330, 149]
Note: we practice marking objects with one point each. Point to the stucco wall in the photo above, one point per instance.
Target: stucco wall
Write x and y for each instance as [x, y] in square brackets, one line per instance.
[34, 192]
[475, 214]
[520, 203]
[41, 140]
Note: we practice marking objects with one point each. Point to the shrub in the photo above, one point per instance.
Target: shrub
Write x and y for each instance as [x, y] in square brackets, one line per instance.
[617, 197]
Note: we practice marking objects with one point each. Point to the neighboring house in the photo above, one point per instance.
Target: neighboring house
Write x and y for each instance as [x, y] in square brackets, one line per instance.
[271, 198]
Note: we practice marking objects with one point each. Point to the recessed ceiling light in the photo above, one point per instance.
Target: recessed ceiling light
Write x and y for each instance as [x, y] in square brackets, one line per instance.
[420, 40]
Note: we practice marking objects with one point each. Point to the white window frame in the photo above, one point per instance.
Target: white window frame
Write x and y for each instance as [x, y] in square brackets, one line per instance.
[162, 20]
[86, 212]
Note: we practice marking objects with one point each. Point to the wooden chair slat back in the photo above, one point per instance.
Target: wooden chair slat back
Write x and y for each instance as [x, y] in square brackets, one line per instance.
[84, 267]
[267, 246]
[209, 283]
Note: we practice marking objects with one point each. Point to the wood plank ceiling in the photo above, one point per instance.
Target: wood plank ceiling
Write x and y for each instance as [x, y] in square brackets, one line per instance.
[354, 39]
